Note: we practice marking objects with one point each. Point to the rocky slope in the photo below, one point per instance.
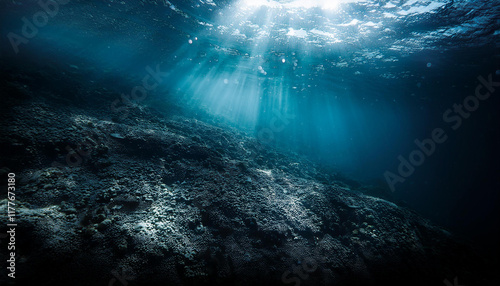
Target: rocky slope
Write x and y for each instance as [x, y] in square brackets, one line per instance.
[165, 199]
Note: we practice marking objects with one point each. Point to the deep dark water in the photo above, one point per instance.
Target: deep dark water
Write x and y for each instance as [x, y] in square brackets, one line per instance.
[228, 142]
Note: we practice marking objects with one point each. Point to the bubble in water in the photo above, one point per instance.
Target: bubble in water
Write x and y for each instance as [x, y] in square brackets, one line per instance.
[261, 70]
[429, 65]
[283, 60]
[190, 41]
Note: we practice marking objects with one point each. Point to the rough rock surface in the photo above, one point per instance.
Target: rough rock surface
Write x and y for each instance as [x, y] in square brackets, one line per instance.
[156, 199]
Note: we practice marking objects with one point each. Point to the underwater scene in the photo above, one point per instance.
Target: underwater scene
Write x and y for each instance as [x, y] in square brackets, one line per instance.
[250, 142]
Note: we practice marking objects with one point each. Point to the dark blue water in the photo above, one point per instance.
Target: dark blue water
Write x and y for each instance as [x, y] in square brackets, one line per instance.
[349, 84]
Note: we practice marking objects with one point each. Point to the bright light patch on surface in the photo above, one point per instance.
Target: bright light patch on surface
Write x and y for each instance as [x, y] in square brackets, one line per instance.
[307, 4]
[332, 37]
[432, 7]
[354, 22]
[297, 33]
[298, 4]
